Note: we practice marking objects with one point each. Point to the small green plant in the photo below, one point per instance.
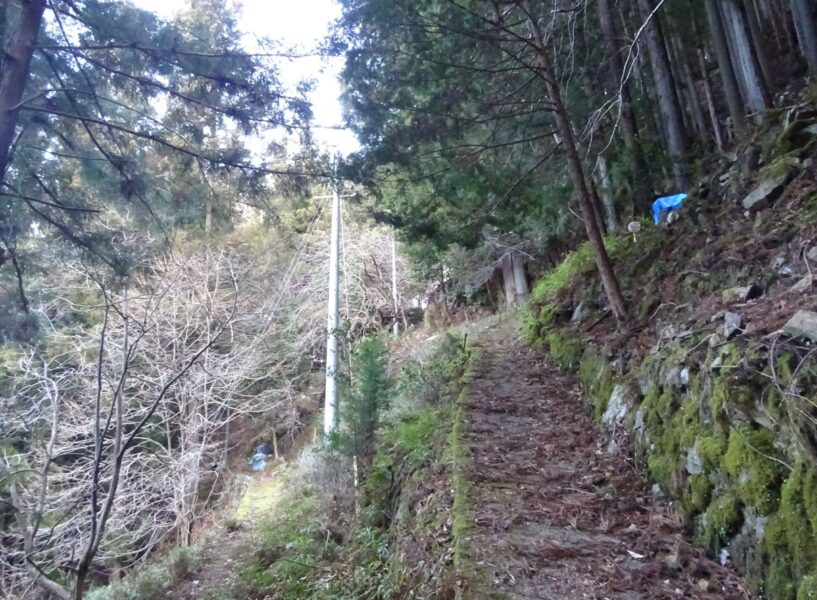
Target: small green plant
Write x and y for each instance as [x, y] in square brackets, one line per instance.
[366, 400]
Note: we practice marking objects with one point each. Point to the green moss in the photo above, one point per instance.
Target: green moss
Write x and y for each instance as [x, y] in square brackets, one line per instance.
[710, 449]
[779, 584]
[596, 376]
[534, 321]
[462, 504]
[721, 521]
[541, 310]
[782, 166]
[662, 468]
[808, 588]
[791, 537]
[658, 407]
[564, 348]
[697, 494]
[753, 461]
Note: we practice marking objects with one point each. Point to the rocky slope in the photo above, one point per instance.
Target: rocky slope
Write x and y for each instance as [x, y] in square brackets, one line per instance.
[713, 386]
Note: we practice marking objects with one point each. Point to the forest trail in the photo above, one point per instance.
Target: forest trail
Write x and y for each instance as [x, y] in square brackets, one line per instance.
[229, 548]
[557, 515]
[263, 494]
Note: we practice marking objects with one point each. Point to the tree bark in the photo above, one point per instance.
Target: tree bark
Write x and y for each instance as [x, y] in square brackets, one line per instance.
[208, 217]
[710, 101]
[574, 164]
[759, 43]
[16, 68]
[725, 68]
[803, 16]
[508, 281]
[641, 180]
[520, 277]
[766, 13]
[668, 104]
[594, 196]
[693, 98]
[745, 59]
[605, 191]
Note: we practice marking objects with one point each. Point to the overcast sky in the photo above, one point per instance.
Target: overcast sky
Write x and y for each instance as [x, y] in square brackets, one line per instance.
[299, 23]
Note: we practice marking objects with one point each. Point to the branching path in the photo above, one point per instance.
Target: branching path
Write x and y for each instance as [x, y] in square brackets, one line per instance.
[557, 516]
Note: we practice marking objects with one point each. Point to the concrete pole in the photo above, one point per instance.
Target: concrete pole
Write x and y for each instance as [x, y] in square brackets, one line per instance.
[396, 327]
[330, 417]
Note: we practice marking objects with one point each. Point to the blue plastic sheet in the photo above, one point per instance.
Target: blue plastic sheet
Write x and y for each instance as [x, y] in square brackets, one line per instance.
[259, 460]
[667, 204]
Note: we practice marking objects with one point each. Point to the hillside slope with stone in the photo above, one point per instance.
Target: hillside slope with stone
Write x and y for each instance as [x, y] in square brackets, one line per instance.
[713, 388]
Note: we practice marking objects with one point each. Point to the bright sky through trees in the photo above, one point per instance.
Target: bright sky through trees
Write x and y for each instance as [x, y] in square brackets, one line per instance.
[302, 25]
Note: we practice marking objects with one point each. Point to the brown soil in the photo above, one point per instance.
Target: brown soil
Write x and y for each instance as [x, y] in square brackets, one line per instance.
[557, 515]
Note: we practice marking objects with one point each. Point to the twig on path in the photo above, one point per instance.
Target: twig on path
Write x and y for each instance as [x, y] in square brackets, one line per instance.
[598, 321]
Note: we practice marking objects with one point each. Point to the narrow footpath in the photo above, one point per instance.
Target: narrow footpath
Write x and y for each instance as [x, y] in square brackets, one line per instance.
[557, 516]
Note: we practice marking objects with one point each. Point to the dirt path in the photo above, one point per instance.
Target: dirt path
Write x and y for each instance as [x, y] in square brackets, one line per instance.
[229, 549]
[557, 516]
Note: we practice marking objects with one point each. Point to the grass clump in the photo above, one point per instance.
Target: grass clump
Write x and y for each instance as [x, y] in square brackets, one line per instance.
[564, 349]
[290, 546]
[365, 547]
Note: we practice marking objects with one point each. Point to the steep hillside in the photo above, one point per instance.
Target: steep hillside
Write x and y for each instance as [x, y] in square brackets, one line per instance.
[709, 386]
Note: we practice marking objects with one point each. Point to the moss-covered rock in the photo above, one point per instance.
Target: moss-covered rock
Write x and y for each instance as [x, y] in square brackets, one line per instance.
[752, 460]
[697, 494]
[720, 522]
[791, 537]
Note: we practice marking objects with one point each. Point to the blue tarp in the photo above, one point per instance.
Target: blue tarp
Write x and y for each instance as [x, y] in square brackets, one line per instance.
[667, 204]
[259, 460]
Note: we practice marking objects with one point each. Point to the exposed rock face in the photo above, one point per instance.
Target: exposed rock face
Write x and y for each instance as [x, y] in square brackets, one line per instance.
[695, 464]
[741, 293]
[765, 194]
[804, 285]
[579, 313]
[731, 324]
[619, 405]
[802, 324]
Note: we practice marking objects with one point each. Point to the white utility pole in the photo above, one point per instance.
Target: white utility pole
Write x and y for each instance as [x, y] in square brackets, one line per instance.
[394, 296]
[330, 417]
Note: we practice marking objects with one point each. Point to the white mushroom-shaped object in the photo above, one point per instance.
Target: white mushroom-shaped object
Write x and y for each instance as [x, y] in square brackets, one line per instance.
[634, 227]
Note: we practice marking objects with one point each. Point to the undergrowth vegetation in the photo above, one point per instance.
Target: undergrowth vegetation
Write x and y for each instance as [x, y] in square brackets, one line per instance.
[155, 581]
[542, 310]
[365, 541]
